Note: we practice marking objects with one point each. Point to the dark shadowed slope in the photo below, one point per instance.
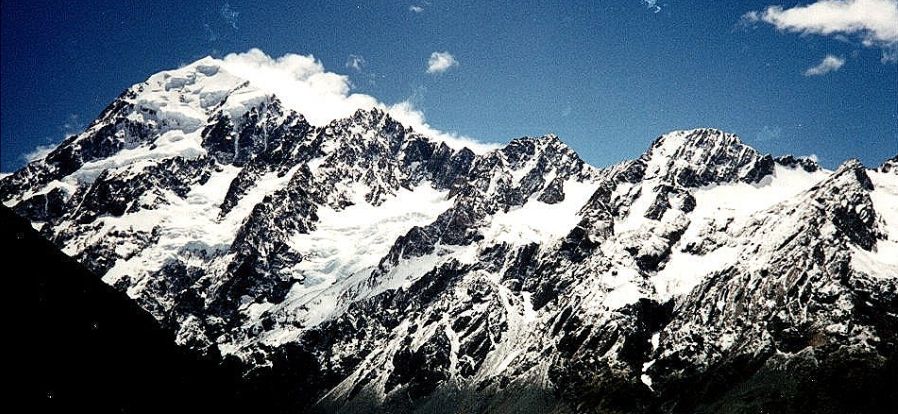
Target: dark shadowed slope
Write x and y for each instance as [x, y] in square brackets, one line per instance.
[83, 347]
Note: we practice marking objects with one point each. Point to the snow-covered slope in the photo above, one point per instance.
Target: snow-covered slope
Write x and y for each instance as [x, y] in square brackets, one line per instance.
[424, 277]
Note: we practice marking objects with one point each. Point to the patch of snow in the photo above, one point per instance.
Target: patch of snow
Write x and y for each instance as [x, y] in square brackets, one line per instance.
[622, 295]
[520, 173]
[454, 347]
[743, 199]
[351, 242]
[612, 290]
[194, 89]
[68, 186]
[539, 222]
[669, 143]
[684, 271]
[169, 144]
[726, 340]
[529, 312]
[716, 204]
[467, 254]
[505, 295]
[314, 163]
[191, 222]
[242, 100]
[636, 216]
[883, 260]
[506, 361]
[645, 378]
[408, 271]
[739, 201]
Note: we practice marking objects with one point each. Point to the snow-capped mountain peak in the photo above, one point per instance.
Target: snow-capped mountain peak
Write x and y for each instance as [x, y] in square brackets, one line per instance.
[411, 272]
[699, 157]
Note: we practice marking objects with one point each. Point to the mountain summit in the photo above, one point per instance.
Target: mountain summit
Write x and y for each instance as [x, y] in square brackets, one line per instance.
[421, 277]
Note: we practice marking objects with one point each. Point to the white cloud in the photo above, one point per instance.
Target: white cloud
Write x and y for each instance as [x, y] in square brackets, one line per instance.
[38, 153]
[874, 21]
[770, 133]
[652, 5]
[356, 62]
[72, 125]
[229, 15]
[416, 8]
[440, 62]
[210, 34]
[829, 64]
[407, 114]
[302, 83]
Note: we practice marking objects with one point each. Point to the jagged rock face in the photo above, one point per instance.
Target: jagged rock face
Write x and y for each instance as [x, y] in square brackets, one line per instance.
[705, 156]
[804, 292]
[805, 163]
[421, 277]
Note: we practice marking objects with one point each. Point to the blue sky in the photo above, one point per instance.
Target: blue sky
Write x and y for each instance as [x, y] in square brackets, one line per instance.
[606, 76]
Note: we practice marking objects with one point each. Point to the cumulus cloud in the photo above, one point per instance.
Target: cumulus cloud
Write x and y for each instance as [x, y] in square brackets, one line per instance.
[440, 62]
[875, 22]
[829, 64]
[416, 8]
[652, 5]
[302, 83]
[356, 62]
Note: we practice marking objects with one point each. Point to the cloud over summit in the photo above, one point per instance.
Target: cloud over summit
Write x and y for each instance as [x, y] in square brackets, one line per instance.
[302, 83]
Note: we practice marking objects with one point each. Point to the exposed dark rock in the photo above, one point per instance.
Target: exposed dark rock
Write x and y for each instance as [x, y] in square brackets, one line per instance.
[806, 164]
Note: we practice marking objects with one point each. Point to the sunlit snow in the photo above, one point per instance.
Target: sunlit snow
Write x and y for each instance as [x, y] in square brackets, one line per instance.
[351, 242]
[883, 261]
[538, 222]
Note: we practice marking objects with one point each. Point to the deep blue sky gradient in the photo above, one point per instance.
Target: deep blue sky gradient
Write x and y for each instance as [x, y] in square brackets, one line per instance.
[606, 76]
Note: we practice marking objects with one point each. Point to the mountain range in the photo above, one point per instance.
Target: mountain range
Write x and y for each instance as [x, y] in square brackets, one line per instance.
[377, 269]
